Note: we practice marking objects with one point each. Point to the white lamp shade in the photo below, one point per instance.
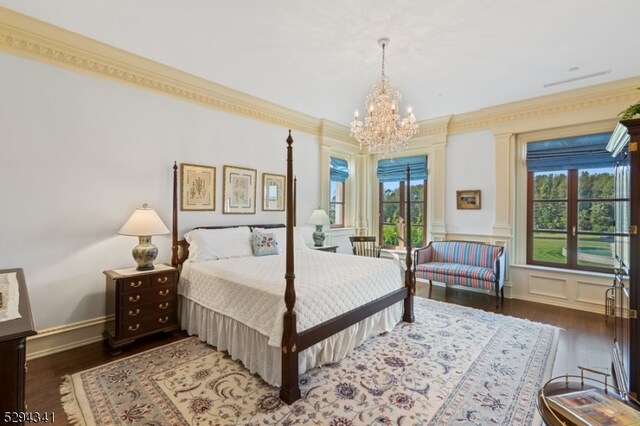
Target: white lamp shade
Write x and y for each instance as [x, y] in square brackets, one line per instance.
[144, 222]
[319, 217]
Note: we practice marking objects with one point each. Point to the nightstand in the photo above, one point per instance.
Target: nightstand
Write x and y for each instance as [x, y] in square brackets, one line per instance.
[331, 249]
[142, 303]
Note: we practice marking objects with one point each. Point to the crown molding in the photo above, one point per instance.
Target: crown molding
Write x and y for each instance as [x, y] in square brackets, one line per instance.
[37, 40]
[593, 103]
[434, 127]
[332, 130]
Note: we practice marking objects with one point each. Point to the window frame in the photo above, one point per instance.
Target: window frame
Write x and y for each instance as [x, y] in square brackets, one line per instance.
[572, 231]
[402, 211]
[342, 203]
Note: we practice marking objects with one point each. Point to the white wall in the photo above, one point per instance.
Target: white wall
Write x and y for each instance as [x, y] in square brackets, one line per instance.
[470, 164]
[79, 154]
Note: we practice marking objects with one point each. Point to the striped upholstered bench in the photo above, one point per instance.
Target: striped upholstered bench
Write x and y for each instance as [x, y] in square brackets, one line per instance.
[463, 263]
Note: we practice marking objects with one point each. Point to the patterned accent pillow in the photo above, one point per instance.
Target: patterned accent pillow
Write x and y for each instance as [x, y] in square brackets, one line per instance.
[264, 243]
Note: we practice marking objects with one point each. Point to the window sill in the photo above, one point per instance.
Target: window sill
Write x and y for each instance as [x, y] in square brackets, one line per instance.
[563, 271]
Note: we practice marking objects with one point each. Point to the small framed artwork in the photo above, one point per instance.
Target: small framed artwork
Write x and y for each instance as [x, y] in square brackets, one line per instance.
[273, 192]
[468, 200]
[239, 190]
[197, 187]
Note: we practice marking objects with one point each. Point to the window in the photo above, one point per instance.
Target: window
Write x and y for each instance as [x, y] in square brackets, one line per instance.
[336, 204]
[578, 204]
[393, 202]
[338, 175]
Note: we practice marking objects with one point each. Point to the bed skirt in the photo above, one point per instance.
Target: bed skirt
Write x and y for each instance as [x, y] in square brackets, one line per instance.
[251, 348]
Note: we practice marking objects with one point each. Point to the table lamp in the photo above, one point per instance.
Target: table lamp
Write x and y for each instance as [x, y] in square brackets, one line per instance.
[319, 218]
[143, 223]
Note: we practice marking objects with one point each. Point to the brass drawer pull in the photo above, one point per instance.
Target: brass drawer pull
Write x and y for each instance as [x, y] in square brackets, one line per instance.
[133, 314]
[163, 293]
[131, 299]
[132, 328]
[163, 280]
[163, 320]
[163, 305]
[135, 284]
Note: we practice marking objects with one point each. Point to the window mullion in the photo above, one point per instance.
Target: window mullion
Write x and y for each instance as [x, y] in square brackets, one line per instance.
[380, 211]
[572, 219]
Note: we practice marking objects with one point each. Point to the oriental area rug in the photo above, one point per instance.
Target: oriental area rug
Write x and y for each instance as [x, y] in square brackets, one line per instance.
[454, 365]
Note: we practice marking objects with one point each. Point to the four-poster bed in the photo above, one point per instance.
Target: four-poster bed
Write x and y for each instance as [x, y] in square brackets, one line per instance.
[367, 310]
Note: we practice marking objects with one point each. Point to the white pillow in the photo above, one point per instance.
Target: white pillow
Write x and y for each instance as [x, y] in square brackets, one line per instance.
[281, 238]
[212, 244]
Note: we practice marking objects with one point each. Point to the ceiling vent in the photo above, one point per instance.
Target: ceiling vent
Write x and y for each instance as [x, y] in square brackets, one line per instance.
[581, 77]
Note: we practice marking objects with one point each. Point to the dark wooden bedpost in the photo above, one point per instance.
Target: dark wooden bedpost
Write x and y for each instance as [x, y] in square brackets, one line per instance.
[295, 203]
[290, 389]
[174, 225]
[408, 274]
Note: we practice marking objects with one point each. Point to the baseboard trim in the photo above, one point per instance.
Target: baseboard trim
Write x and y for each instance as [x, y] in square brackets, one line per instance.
[62, 338]
[593, 308]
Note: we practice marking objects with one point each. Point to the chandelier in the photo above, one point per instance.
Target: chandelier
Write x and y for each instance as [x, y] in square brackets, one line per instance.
[383, 130]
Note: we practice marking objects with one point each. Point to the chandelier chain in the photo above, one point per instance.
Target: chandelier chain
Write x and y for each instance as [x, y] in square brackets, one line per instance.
[382, 59]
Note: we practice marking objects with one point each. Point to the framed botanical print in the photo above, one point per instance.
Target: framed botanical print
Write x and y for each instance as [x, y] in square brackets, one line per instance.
[239, 190]
[273, 192]
[468, 200]
[197, 187]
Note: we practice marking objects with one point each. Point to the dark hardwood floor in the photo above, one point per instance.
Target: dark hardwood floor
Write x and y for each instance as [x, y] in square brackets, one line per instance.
[585, 339]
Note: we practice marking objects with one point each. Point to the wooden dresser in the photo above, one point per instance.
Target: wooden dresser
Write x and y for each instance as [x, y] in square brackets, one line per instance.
[13, 337]
[142, 303]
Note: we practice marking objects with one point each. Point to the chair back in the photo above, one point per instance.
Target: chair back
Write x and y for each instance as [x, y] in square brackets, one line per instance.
[365, 246]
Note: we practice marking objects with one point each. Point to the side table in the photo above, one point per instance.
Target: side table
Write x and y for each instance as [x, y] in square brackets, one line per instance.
[13, 341]
[142, 303]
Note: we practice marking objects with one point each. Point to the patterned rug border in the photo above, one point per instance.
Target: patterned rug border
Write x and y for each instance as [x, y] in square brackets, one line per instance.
[69, 396]
[72, 399]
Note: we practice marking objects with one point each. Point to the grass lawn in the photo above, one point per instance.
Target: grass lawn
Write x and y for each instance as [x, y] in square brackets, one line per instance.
[548, 248]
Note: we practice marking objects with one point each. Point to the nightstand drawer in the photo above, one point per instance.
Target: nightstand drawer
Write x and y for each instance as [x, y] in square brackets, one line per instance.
[133, 328]
[137, 283]
[134, 284]
[134, 313]
[162, 279]
[135, 299]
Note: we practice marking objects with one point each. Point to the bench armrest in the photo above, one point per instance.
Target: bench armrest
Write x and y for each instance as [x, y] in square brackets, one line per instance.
[422, 255]
[500, 266]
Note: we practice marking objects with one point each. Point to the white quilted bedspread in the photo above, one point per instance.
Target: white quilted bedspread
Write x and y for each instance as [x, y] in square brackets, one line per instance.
[251, 289]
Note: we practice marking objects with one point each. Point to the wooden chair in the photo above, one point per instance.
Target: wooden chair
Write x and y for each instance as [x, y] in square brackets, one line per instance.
[365, 246]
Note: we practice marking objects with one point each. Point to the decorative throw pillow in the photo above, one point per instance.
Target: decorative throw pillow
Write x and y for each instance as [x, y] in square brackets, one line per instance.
[281, 238]
[264, 243]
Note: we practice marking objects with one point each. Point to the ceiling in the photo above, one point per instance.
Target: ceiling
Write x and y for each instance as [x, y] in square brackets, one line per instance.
[320, 57]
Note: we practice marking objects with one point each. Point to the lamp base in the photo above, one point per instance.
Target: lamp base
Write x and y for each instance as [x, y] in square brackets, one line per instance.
[318, 236]
[144, 254]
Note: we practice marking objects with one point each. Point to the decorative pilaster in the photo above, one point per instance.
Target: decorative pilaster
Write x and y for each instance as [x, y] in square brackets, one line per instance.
[325, 170]
[365, 187]
[437, 178]
[504, 185]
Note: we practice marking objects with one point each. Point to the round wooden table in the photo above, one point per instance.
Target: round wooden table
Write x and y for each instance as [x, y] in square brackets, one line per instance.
[565, 384]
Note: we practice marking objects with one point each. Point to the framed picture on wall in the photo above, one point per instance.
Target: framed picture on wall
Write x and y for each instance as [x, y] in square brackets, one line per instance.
[468, 199]
[197, 187]
[273, 193]
[239, 190]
